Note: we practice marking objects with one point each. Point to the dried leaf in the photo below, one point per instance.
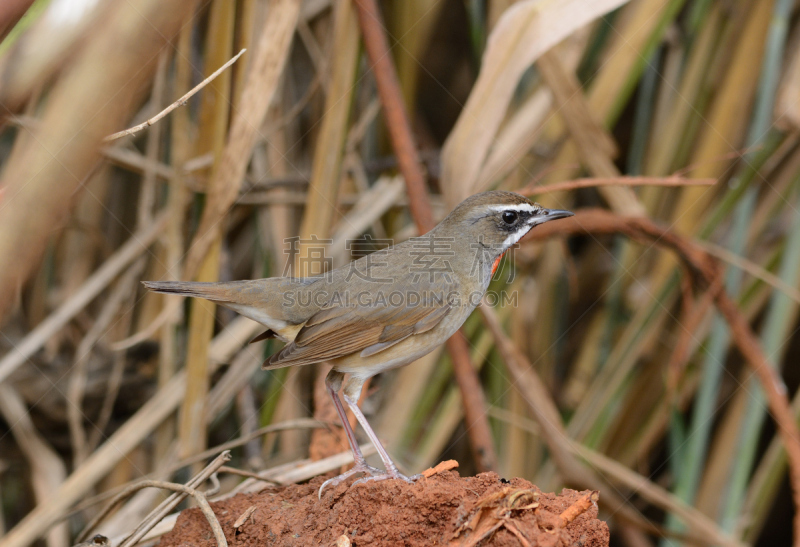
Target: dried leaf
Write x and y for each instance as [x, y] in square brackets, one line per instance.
[524, 32]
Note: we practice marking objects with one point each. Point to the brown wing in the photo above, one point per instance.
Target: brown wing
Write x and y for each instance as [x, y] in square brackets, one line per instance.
[335, 332]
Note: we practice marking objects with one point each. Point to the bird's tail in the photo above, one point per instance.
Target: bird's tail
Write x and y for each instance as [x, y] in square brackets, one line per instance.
[216, 292]
[260, 300]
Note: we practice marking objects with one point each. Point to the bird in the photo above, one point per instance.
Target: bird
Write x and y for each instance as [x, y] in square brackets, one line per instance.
[384, 310]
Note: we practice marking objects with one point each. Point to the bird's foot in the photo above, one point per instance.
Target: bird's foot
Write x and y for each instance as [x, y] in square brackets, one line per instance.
[391, 474]
[374, 474]
[357, 468]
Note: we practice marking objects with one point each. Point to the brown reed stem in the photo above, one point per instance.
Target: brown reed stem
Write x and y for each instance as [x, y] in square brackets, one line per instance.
[397, 121]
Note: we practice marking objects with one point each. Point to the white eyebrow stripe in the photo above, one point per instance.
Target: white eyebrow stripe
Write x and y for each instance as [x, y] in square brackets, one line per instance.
[516, 207]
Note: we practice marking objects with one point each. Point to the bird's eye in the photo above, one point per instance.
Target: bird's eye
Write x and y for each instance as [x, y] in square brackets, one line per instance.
[510, 217]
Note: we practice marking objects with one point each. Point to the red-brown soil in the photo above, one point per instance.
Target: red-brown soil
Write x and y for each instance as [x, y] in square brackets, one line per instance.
[394, 513]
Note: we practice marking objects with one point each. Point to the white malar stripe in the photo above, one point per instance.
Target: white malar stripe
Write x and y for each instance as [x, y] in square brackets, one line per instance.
[512, 239]
[518, 207]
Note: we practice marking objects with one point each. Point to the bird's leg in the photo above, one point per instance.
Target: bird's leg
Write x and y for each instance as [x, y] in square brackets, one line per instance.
[351, 393]
[333, 382]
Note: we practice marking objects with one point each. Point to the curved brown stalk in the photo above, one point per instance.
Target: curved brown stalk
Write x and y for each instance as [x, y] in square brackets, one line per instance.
[704, 270]
[397, 122]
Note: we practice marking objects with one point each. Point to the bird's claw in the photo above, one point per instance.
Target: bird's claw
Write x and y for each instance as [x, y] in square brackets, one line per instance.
[388, 475]
[358, 468]
[374, 474]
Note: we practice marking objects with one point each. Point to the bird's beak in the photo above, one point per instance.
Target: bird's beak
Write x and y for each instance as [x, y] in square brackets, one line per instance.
[546, 215]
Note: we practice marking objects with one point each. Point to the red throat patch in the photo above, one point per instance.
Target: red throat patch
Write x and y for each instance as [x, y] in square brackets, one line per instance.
[497, 262]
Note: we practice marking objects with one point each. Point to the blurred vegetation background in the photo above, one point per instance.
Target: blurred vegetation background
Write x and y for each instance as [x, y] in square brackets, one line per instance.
[614, 371]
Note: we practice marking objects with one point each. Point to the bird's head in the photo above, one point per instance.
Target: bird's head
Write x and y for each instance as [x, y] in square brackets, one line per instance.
[496, 220]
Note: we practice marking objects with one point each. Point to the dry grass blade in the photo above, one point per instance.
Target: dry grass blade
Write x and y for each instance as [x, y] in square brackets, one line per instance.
[180, 102]
[372, 205]
[238, 375]
[726, 124]
[175, 465]
[135, 247]
[751, 268]
[524, 32]
[286, 474]
[36, 54]
[11, 12]
[136, 162]
[545, 411]
[534, 189]
[44, 174]
[165, 507]
[201, 500]
[214, 114]
[394, 111]
[78, 377]
[170, 311]
[267, 63]
[328, 152]
[97, 465]
[47, 469]
[125, 439]
[703, 526]
[406, 149]
[787, 111]
[516, 138]
[611, 364]
[707, 268]
[326, 176]
[564, 449]
[595, 146]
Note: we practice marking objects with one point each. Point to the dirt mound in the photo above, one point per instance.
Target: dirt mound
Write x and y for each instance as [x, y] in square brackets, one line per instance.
[444, 509]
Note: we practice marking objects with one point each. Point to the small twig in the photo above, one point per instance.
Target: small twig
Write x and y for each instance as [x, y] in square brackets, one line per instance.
[693, 314]
[243, 473]
[736, 154]
[170, 310]
[79, 376]
[136, 245]
[511, 527]
[165, 507]
[215, 486]
[563, 450]
[591, 182]
[578, 508]
[115, 377]
[185, 491]
[176, 104]
[706, 268]
[286, 474]
[299, 423]
[751, 268]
